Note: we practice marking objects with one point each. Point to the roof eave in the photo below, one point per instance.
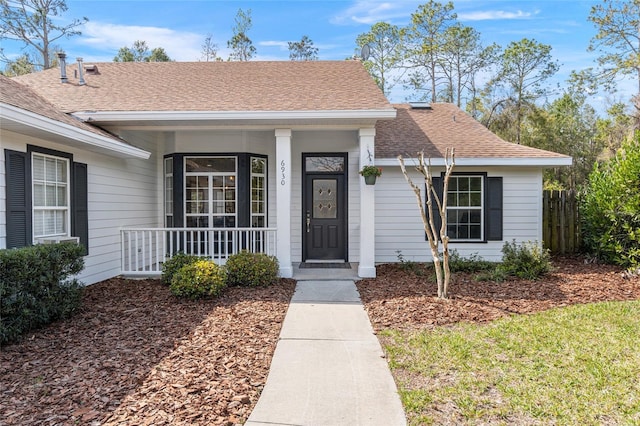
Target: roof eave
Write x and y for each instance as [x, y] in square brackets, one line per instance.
[213, 116]
[32, 121]
[488, 161]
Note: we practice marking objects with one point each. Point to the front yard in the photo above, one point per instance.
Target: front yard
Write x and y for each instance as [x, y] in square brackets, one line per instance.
[474, 360]
[137, 355]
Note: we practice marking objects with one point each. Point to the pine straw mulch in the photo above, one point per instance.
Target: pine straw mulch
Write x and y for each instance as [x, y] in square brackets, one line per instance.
[401, 299]
[137, 355]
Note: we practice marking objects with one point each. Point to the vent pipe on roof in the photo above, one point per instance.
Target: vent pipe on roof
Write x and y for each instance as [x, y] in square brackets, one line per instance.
[81, 81]
[420, 105]
[62, 59]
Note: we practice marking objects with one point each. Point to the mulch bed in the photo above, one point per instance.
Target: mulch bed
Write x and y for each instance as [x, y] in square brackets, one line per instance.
[402, 299]
[137, 355]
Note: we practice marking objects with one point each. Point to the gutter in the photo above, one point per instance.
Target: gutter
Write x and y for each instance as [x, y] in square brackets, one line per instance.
[487, 161]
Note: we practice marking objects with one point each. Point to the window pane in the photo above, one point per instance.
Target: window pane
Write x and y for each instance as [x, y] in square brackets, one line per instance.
[62, 196]
[475, 216]
[257, 221]
[38, 195]
[50, 195]
[452, 199]
[62, 170]
[324, 164]
[38, 167]
[476, 184]
[50, 169]
[463, 199]
[453, 184]
[258, 165]
[210, 164]
[463, 184]
[476, 199]
[38, 223]
[476, 232]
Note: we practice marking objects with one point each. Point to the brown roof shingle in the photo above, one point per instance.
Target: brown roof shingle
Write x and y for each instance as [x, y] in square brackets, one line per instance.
[20, 96]
[443, 126]
[213, 86]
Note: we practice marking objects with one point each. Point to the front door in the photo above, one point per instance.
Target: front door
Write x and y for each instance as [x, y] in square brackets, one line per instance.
[324, 207]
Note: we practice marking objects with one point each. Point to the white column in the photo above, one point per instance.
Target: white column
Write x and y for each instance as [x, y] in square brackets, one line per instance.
[283, 201]
[367, 267]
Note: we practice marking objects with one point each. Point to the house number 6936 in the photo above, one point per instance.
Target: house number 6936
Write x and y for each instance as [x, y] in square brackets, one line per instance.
[283, 169]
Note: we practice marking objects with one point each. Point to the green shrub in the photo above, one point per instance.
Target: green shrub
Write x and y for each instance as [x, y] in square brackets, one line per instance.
[173, 265]
[473, 263]
[251, 269]
[527, 260]
[610, 208]
[198, 279]
[37, 286]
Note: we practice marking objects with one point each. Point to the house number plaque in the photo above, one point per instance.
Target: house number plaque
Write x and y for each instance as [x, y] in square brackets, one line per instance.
[283, 170]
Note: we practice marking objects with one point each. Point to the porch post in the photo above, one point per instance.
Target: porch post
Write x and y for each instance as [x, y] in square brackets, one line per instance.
[283, 201]
[367, 268]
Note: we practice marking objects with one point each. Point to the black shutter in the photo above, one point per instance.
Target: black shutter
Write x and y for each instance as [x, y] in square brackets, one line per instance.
[493, 216]
[79, 206]
[437, 220]
[18, 180]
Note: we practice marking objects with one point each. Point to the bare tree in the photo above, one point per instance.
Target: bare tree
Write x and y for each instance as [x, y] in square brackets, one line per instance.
[210, 49]
[35, 23]
[443, 272]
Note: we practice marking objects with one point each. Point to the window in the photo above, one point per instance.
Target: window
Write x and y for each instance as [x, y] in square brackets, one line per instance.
[50, 180]
[258, 192]
[46, 196]
[474, 207]
[465, 208]
[168, 192]
[210, 192]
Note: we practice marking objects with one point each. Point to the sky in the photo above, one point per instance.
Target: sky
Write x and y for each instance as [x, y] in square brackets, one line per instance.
[180, 27]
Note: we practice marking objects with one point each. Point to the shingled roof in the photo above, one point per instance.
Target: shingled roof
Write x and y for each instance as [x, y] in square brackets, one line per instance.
[442, 126]
[33, 115]
[14, 93]
[213, 86]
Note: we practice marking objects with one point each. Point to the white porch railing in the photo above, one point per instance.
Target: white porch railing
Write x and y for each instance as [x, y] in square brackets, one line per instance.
[144, 250]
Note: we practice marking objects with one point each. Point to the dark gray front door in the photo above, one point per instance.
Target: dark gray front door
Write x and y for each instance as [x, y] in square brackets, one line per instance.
[324, 207]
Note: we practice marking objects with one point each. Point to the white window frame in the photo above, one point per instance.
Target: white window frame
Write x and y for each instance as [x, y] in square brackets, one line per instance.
[35, 208]
[210, 214]
[481, 208]
[264, 189]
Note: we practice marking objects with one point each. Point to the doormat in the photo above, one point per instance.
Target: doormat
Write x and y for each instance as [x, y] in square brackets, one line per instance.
[313, 265]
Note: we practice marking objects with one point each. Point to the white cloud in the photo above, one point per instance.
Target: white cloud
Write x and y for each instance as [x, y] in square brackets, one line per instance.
[370, 11]
[283, 45]
[179, 45]
[492, 15]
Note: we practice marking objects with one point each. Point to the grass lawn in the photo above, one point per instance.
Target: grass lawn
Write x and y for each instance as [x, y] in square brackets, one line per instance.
[576, 365]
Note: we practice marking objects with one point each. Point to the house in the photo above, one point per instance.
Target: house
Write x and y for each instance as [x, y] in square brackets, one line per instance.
[215, 157]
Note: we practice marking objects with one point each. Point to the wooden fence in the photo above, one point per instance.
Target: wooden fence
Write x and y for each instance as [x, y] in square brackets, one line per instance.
[560, 221]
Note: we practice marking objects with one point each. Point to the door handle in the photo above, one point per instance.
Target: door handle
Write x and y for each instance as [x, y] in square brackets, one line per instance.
[308, 223]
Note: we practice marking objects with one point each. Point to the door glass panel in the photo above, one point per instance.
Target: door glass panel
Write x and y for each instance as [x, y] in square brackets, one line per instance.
[324, 164]
[325, 199]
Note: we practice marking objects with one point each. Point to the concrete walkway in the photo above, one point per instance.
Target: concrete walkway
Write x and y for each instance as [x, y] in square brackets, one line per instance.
[328, 367]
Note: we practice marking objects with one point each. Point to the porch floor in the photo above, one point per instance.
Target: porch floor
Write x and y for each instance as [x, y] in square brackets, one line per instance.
[325, 274]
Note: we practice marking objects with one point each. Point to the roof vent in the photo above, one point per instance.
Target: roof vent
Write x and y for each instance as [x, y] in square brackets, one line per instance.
[81, 81]
[62, 58]
[420, 105]
[91, 70]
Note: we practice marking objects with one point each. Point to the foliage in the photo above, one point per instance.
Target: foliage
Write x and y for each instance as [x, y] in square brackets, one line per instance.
[37, 286]
[370, 171]
[139, 52]
[21, 66]
[610, 207]
[303, 50]
[617, 40]
[472, 263]
[426, 43]
[385, 53]
[242, 48]
[523, 67]
[36, 24]
[210, 49]
[173, 265]
[526, 260]
[523, 369]
[251, 269]
[198, 279]
[567, 126]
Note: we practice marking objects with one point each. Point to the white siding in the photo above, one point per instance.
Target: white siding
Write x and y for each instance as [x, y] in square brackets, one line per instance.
[121, 193]
[399, 226]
